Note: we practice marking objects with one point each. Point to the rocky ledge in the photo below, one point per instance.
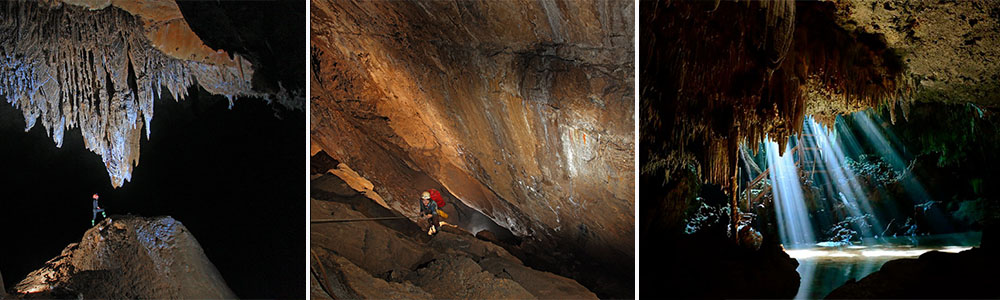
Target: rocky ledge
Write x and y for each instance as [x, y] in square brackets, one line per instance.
[393, 260]
[128, 257]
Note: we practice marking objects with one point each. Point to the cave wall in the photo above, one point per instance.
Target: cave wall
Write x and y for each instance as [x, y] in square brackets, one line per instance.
[522, 110]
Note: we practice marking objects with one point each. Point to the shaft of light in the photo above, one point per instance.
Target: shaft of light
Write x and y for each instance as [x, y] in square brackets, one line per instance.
[848, 190]
[869, 121]
[793, 217]
[876, 136]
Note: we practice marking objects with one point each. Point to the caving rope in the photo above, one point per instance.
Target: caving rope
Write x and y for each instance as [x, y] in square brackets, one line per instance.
[354, 220]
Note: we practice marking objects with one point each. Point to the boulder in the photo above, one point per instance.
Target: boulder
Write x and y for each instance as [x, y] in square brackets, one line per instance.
[460, 277]
[488, 236]
[129, 257]
[345, 280]
[543, 285]
[368, 244]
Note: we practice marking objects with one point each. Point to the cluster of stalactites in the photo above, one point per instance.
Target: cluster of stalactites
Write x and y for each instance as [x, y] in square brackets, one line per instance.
[772, 25]
[68, 67]
[832, 72]
[700, 83]
[707, 88]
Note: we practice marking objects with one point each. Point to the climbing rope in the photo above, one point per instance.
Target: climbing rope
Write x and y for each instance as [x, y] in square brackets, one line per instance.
[354, 220]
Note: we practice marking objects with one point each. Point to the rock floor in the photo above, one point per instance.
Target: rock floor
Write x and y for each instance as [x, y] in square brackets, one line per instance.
[369, 259]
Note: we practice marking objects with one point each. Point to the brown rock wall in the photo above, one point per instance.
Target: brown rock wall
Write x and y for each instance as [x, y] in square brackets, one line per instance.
[522, 110]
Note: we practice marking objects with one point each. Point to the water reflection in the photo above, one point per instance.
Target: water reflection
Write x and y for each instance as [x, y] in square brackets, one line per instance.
[823, 269]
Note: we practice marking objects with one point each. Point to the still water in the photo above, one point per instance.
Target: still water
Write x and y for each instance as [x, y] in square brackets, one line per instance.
[824, 268]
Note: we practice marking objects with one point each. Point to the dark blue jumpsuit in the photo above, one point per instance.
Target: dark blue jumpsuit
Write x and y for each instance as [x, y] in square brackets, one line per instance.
[97, 209]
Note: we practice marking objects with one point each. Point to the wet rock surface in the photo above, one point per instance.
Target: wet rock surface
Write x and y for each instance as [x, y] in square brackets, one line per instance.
[128, 257]
[521, 110]
[397, 259]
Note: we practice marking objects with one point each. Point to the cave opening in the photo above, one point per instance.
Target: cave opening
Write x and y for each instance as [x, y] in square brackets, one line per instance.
[231, 176]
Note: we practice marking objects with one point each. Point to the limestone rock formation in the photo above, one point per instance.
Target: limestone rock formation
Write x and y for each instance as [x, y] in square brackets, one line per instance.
[98, 66]
[522, 110]
[702, 97]
[707, 88]
[396, 259]
[352, 282]
[543, 285]
[129, 257]
[949, 48]
[259, 31]
[462, 277]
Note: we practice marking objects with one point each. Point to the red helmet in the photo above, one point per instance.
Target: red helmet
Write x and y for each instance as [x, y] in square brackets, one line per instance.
[95, 196]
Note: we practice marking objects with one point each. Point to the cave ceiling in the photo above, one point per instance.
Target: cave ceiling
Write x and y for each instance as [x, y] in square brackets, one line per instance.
[949, 48]
[98, 66]
[720, 74]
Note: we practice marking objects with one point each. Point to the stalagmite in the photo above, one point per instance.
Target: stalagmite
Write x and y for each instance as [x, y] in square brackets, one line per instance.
[96, 70]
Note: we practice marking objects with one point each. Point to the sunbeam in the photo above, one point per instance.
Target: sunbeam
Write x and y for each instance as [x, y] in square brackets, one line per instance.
[793, 217]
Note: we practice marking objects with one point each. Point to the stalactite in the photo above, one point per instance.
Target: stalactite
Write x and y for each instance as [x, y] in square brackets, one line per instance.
[713, 78]
[95, 70]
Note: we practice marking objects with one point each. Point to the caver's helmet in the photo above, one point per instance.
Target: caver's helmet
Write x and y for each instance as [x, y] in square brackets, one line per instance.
[95, 196]
[425, 195]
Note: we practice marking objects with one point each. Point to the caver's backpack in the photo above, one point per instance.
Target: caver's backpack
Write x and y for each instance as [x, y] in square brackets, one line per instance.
[436, 196]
